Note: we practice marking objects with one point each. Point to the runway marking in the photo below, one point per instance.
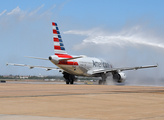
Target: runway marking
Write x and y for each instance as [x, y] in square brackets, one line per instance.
[29, 117]
[155, 117]
[112, 92]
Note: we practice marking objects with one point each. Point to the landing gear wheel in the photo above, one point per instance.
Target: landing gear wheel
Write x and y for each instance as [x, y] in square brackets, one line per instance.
[68, 78]
[103, 82]
[71, 82]
[67, 81]
[100, 82]
[71, 78]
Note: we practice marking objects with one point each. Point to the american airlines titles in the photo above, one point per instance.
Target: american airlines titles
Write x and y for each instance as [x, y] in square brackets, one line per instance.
[100, 64]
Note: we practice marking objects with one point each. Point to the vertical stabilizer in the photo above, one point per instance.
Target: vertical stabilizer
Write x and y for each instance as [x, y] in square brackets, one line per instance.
[58, 43]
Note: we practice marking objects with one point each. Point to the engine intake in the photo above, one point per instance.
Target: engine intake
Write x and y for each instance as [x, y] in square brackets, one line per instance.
[119, 77]
[50, 58]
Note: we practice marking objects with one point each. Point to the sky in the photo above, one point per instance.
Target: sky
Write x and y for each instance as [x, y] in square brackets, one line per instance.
[125, 32]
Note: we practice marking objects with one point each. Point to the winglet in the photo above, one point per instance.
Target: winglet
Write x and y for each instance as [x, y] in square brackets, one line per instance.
[7, 64]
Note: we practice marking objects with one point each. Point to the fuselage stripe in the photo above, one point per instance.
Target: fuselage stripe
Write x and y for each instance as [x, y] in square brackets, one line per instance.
[67, 63]
[63, 55]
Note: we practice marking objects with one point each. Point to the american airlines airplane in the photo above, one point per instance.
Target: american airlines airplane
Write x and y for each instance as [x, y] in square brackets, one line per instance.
[72, 66]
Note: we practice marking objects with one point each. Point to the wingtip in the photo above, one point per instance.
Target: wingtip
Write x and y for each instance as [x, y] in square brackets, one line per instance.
[7, 64]
[83, 56]
[27, 56]
[157, 64]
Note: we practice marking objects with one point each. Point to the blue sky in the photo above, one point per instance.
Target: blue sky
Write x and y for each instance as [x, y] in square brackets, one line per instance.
[126, 32]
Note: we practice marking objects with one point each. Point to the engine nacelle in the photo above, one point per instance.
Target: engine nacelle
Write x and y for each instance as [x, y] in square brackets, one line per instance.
[54, 59]
[119, 77]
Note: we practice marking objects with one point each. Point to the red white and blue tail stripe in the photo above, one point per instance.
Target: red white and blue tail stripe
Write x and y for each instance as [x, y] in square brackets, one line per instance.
[58, 43]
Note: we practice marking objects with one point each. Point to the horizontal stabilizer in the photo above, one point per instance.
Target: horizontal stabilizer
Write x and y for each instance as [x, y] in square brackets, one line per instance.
[36, 58]
[64, 59]
[32, 66]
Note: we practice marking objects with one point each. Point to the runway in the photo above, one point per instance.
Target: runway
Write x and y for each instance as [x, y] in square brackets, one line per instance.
[39, 101]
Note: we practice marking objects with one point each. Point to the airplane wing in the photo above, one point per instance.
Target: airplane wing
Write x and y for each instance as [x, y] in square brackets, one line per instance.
[120, 69]
[32, 66]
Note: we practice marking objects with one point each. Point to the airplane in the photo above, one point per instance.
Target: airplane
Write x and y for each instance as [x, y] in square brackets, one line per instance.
[71, 65]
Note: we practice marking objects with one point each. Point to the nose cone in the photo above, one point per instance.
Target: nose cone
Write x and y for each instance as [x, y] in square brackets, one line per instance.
[54, 59]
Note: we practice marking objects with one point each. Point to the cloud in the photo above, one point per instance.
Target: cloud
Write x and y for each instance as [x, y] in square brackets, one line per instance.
[35, 11]
[23, 29]
[79, 32]
[17, 10]
[3, 12]
[17, 15]
[48, 11]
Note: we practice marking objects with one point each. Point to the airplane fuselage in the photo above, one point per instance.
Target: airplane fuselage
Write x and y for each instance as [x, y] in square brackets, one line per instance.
[81, 66]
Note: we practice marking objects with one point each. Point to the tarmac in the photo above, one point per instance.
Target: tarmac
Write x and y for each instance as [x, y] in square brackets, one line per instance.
[57, 101]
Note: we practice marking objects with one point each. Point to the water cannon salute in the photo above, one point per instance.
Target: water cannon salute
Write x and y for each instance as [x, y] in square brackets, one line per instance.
[82, 60]
[81, 65]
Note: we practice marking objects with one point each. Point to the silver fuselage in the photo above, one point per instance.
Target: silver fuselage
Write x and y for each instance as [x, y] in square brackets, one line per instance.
[82, 66]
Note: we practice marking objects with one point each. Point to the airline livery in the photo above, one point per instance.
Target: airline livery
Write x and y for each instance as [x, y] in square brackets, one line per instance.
[72, 66]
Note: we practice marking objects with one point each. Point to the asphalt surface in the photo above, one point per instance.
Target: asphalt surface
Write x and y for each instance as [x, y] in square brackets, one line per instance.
[28, 117]
[56, 101]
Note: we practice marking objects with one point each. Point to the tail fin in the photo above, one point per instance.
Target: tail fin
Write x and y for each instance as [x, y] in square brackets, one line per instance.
[58, 43]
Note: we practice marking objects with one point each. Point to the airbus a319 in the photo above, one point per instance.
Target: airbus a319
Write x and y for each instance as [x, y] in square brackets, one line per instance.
[81, 65]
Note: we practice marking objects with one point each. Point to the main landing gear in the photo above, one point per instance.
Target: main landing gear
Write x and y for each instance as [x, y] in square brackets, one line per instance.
[69, 78]
[103, 81]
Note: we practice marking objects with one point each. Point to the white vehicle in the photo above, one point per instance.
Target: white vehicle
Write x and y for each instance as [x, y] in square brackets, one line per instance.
[72, 66]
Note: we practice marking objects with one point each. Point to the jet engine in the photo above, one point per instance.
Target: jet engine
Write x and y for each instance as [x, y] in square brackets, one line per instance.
[119, 77]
